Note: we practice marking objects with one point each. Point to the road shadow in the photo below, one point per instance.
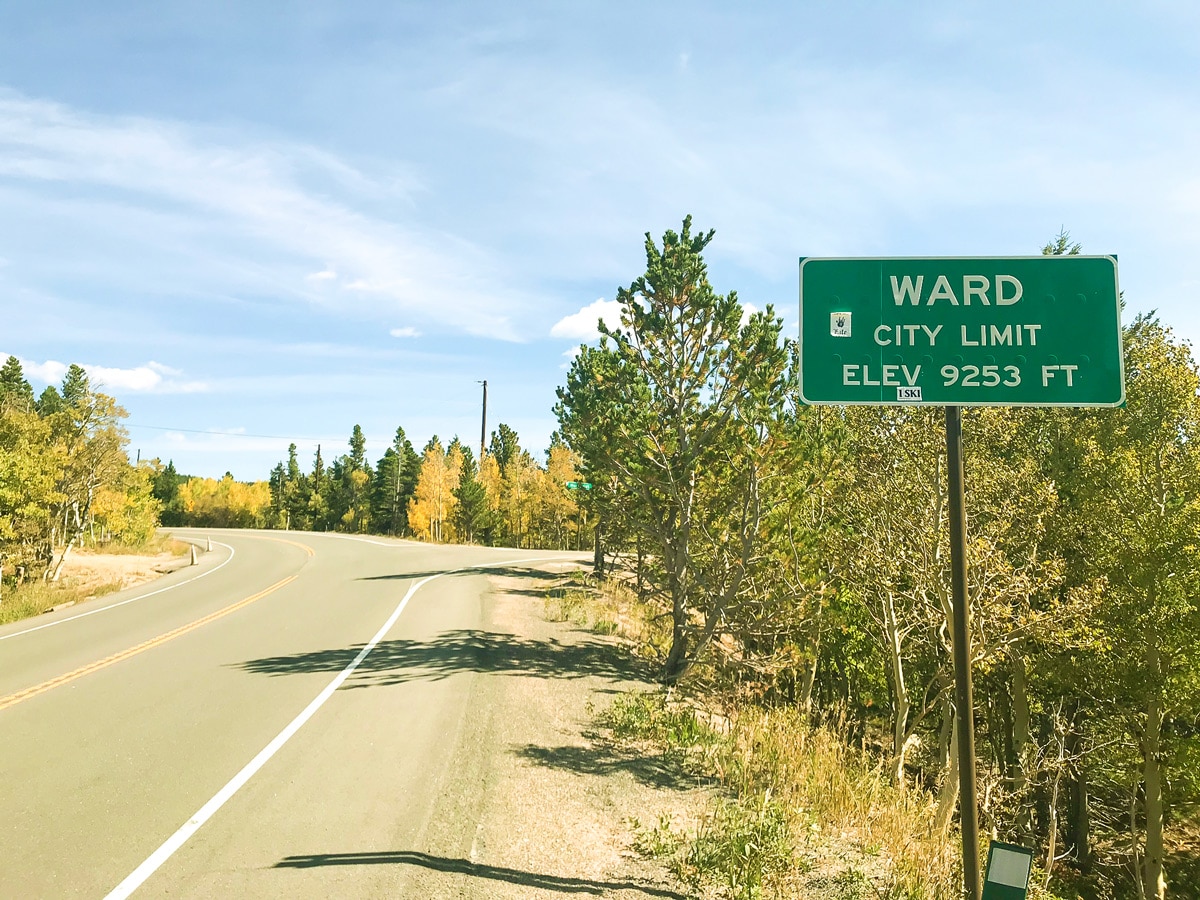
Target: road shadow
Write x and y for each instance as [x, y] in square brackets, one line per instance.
[464, 650]
[537, 575]
[474, 870]
[657, 770]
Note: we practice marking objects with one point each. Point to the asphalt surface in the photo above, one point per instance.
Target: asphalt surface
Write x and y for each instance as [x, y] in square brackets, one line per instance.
[199, 701]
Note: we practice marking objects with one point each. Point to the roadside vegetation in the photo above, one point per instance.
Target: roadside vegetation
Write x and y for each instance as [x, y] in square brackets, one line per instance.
[66, 484]
[797, 559]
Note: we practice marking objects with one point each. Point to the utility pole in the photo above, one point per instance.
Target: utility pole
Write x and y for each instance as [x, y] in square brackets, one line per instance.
[483, 424]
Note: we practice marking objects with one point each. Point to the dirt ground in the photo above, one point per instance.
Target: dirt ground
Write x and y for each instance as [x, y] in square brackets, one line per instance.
[553, 800]
[92, 571]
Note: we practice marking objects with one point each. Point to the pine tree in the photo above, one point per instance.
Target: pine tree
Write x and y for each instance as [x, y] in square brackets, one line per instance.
[165, 489]
[472, 516]
[15, 391]
[318, 501]
[690, 397]
[504, 446]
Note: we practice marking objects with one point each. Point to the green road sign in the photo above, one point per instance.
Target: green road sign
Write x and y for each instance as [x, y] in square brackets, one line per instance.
[578, 485]
[956, 331]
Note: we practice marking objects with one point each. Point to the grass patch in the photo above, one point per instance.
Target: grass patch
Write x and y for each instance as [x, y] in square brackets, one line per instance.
[741, 848]
[36, 597]
[658, 840]
[567, 605]
[798, 813]
[608, 609]
[159, 543]
[604, 626]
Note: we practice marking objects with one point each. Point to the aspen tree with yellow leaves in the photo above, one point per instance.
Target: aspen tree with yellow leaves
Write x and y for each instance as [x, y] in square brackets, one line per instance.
[430, 510]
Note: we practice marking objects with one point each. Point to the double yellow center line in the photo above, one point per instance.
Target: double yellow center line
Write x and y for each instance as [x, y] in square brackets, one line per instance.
[67, 678]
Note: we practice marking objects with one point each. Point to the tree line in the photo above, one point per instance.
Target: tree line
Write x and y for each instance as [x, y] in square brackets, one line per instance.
[801, 555]
[442, 494]
[65, 477]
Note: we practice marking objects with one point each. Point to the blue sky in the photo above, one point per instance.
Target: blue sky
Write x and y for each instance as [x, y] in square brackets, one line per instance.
[257, 223]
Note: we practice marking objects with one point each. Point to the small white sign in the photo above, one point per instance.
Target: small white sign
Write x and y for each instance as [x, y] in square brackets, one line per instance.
[1009, 868]
[908, 394]
[839, 324]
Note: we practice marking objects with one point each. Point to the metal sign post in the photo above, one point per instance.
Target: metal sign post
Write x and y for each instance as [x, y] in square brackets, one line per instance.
[964, 699]
[954, 332]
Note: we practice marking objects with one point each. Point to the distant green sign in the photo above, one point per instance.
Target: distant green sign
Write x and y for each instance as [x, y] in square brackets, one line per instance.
[989, 331]
[579, 485]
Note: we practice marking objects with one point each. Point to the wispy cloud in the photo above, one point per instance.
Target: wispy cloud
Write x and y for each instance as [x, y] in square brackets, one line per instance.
[222, 185]
[406, 332]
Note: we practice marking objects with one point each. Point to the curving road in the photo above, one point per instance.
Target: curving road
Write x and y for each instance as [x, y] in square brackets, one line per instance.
[294, 697]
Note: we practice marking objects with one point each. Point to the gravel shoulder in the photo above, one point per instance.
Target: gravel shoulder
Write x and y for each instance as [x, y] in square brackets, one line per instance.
[540, 804]
[90, 570]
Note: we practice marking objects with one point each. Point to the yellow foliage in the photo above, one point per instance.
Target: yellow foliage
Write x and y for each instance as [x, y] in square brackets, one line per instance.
[226, 503]
[432, 507]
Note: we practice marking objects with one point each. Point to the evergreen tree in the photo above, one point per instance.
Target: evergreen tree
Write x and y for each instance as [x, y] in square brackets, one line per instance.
[395, 479]
[165, 489]
[472, 516]
[504, 446]
[358, 449]
[318, 500]
[692, 395]
[50, 402]
[276, 483]
[76, 387]
[14, 389]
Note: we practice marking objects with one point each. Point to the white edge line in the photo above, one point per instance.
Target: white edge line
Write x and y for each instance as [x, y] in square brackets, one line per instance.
[92, 612]
[138, 876]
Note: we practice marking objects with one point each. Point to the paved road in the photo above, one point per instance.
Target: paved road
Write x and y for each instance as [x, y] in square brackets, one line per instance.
[200, 701]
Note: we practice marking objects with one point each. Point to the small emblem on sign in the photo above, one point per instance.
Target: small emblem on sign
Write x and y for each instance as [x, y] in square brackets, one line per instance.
[909, 394]
[839, 324]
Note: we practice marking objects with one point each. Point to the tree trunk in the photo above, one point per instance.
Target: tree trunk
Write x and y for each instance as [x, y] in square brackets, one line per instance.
[641, 593]
[948, 794]
[1078, 818]
[598, 554]
[676, 558]
[810, 675]
[901, 702]
[62, 559]
[1154, 884]
[1022, 743]
[677, 659]
[1052, 806]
